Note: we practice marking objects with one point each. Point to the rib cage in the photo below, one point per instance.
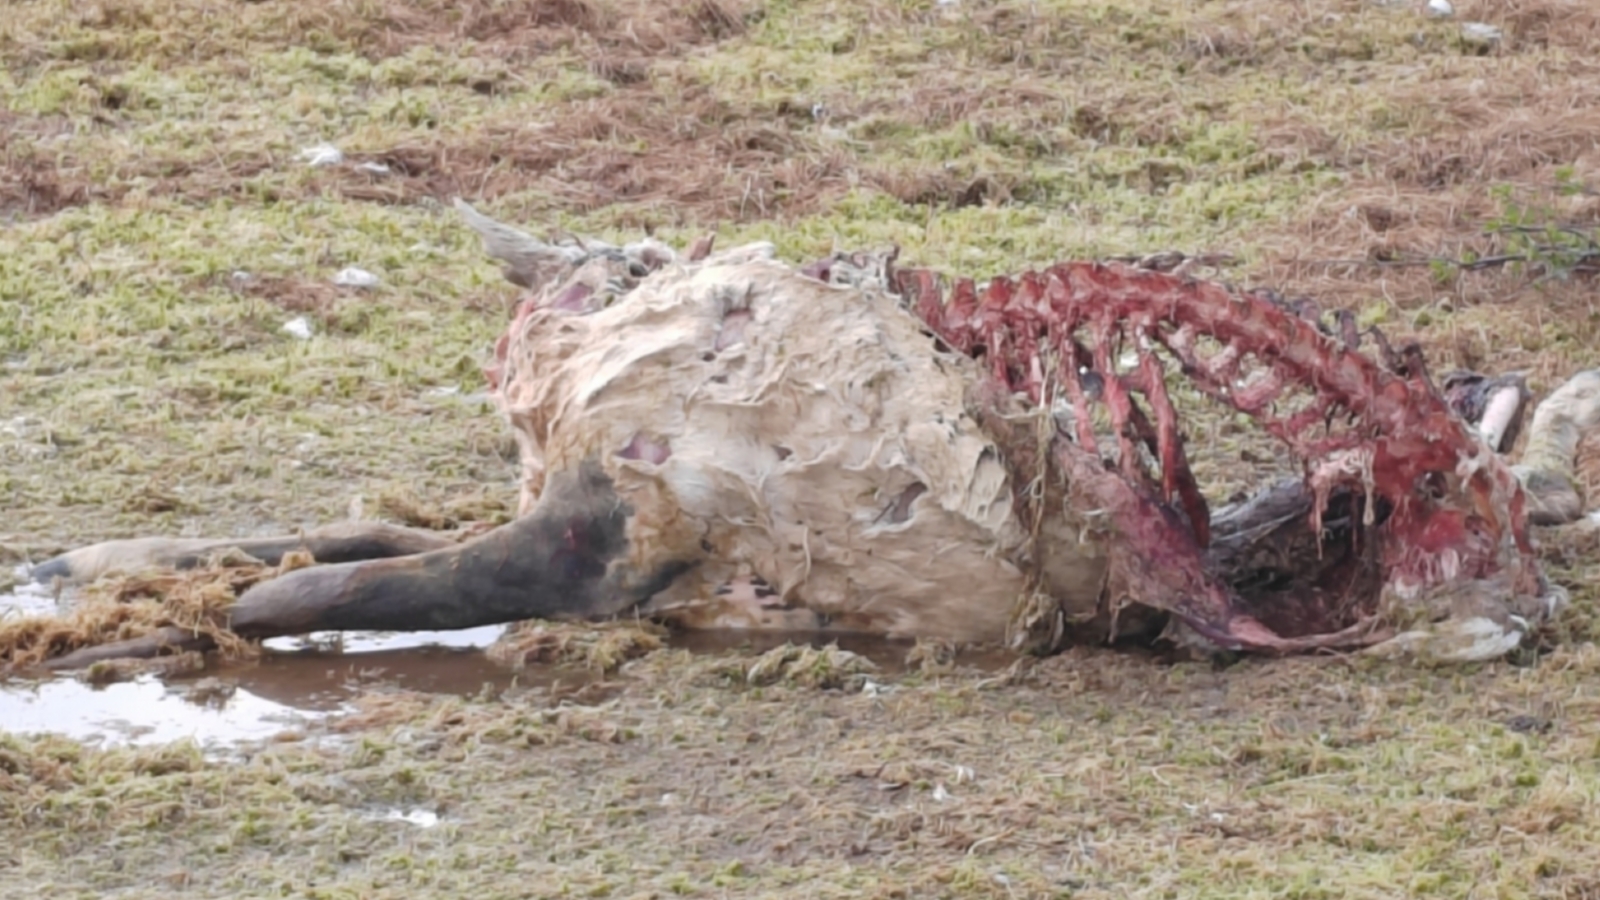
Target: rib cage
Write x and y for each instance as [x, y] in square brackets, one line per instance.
[1385, 433]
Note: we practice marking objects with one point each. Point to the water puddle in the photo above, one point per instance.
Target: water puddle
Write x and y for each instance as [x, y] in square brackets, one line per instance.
[298, 682]
[302, 680]
[283, 692]
[142, 711]
[381, 641]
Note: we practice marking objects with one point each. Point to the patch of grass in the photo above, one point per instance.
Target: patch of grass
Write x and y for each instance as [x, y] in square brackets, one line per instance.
[1096, 775]
[146, 359]
[804, 666]
[159, 226]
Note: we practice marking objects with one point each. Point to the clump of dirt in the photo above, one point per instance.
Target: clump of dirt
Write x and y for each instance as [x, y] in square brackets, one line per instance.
[112, 671]
[821, 668]
[601, 648]
[124, 607]
[292, 294]
[30, 184]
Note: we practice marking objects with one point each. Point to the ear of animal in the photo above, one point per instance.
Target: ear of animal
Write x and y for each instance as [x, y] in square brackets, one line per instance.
[569, 559]
[529, 262]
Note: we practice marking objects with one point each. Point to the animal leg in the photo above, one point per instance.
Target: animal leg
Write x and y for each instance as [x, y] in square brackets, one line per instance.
[571, 558]
[1548, 460]
[337, 543]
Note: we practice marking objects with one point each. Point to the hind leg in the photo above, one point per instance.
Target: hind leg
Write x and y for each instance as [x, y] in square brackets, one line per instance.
[340, 542]
[1548, 465]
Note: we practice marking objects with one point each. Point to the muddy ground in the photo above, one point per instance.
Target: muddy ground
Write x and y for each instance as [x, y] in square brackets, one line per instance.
[161, 224]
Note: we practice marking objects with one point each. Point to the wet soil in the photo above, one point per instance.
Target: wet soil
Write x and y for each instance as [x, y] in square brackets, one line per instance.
[298, 681]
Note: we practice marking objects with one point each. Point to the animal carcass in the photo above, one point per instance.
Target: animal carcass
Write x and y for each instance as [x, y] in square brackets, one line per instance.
[723, 440]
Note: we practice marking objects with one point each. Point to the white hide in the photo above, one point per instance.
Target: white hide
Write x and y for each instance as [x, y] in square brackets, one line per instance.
[796, 415]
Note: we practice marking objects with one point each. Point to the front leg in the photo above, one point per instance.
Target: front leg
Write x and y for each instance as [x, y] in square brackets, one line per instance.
[571, 558]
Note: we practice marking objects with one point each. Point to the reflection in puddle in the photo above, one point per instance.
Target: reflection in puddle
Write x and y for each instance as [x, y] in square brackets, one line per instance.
[315, 678]
[301, 681]
[371, 641]
[143, 711]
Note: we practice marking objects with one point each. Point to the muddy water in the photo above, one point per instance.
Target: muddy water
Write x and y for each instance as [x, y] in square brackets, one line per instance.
[301, 680]
[141, 711]
[292, 686]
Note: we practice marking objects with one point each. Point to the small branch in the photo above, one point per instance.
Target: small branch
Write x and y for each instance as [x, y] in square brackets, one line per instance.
[1570, 230]
[1587, 262]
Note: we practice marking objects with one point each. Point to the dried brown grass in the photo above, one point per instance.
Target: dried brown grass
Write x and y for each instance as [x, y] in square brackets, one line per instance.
[36, 182]
[1468, 143]
[1357, 250]
[520, 31]
[29, 186]
[620, 39]
[125, 607]
[1460, 124]
[706, 160]
[469, 513]
[515, 30]
[670, 149]
[645, 145]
